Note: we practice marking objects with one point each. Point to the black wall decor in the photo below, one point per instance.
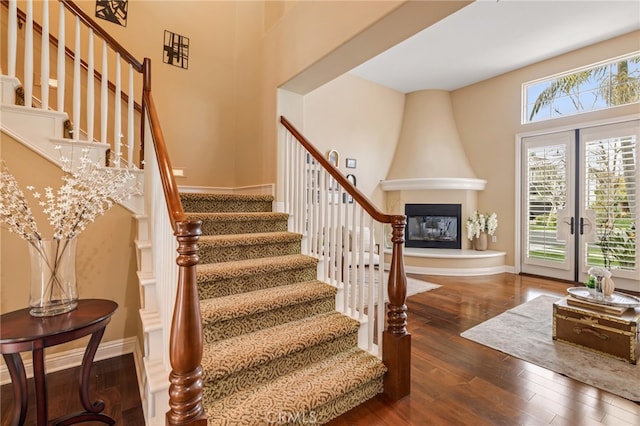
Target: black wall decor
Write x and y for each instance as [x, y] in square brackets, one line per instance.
[176, 50]
[113, 11]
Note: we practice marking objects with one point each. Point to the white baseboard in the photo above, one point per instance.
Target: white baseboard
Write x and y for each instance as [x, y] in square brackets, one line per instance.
[456, 272]
[73, 358]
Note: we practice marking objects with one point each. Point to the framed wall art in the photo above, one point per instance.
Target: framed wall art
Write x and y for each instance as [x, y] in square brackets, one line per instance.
[113, 11]
[175, 50]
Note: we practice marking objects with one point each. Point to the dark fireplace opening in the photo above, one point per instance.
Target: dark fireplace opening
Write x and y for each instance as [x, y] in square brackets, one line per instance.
[433, 225]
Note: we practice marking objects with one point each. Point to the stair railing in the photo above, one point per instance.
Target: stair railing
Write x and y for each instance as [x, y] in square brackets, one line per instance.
[340, 227]
[176, 280]
[114, 122]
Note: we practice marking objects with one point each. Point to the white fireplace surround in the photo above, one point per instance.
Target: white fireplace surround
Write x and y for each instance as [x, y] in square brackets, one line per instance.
[439, 261]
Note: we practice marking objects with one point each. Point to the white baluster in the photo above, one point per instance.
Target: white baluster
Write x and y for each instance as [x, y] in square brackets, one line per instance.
[28, 55]
[12, 38]
[287, 171]
[61, 59]
[382, 291]
[90, 89]
[104, 94]
[361, 259]
[298, 206]
[330, 236]
[76, 83]
[346, 276]
[371, 296]
[44, 62]
[352, 264]
[117, 129]
[130, 123]
[301, 213]
[337, 251]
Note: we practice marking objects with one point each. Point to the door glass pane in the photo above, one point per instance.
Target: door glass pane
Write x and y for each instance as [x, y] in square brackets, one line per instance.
[546, 177]
[611, 192]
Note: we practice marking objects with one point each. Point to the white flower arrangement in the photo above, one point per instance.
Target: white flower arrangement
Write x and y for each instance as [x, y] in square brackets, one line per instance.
[88, 192]
[479, 222]
[597, 271]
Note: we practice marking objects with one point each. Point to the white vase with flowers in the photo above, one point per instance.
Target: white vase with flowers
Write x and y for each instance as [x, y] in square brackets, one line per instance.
[479, 227]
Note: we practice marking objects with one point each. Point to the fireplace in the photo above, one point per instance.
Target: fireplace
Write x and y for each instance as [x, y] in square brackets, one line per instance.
[433, 226]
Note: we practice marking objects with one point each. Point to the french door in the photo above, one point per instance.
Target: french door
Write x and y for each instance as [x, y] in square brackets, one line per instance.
[579, 203]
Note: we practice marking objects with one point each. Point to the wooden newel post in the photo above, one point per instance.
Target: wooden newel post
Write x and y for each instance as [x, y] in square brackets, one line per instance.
[396, 341]
[185, 347]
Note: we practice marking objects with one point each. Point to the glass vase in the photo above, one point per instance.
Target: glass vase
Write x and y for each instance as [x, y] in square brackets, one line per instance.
[598, 290]
[53, 276]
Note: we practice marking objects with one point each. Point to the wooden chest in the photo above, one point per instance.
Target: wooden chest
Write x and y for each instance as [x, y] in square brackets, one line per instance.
[613, 335]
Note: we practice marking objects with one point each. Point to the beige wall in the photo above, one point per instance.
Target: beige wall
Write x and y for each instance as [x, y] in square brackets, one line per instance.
[219, 116]
[487, 115]
[316, 42]
[488, 118]
[360, 120]
[105, 263]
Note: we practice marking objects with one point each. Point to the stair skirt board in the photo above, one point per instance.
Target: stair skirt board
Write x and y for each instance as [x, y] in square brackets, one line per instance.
[275, 348]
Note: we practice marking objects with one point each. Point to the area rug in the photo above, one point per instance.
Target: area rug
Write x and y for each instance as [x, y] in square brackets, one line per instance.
[414, 286]
[525, 332]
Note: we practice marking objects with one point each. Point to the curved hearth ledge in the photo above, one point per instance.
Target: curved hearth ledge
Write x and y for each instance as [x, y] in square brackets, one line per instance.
[451, 262]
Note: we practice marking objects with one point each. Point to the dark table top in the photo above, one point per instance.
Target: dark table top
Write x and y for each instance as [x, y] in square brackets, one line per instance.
[20, 326]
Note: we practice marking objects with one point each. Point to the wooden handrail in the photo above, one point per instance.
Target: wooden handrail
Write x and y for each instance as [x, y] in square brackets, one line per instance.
[124, 53]
[346, 184]
[174, 204]
[70, 54]
[185, 346]
[396, 340]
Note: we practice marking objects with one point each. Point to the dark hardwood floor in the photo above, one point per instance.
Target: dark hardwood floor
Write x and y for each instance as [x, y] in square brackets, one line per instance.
[113, 380]
[454, 381]
[458, 382]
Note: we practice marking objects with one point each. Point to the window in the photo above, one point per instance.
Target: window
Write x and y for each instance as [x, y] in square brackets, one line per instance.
[608, 84]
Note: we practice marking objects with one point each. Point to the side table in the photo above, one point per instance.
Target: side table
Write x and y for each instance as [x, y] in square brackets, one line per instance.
[21, 332]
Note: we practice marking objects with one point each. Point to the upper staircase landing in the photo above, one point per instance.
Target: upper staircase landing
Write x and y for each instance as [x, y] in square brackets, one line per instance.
[43, 131]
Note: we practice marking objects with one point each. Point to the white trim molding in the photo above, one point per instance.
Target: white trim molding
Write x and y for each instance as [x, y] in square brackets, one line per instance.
[449, 183]
[265, 189]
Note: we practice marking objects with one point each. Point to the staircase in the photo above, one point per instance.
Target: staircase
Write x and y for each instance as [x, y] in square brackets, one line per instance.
[278, 346]
[275, 349]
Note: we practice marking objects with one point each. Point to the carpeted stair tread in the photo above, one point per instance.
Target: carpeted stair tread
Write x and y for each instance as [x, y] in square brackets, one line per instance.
[225, 197]
[225, 248]
[232, 315]
[203, 202]
[245, 304]
[228, 356]
[236, 217]
[216, 241]
[301, 391]
[240, 223]
[248, 267]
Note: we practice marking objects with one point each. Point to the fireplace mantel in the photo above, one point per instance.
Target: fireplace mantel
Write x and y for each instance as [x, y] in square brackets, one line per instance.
[448, 183]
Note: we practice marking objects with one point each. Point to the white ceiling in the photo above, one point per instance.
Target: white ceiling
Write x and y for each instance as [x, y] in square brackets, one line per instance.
[489, 37]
